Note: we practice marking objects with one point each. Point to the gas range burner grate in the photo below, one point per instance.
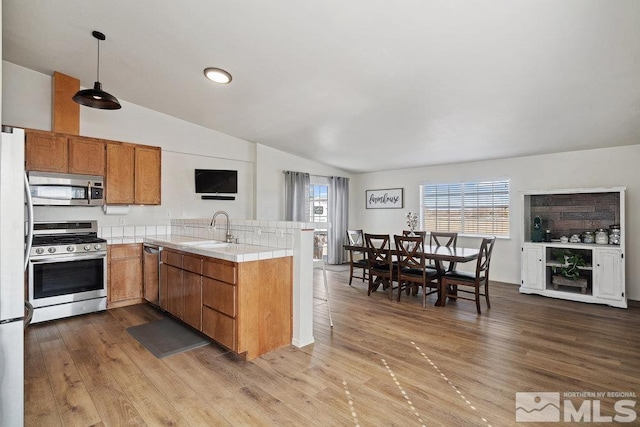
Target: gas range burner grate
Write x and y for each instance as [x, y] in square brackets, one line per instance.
[65, 240]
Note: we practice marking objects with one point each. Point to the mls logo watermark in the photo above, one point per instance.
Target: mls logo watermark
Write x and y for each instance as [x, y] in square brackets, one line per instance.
[543, 407]
[548, 407]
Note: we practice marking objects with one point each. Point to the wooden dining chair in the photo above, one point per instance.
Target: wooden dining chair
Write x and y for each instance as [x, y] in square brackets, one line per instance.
[422, 234]
[380, 263]
[454, 282]
[357, 259]
[411, 267]
[443, 238]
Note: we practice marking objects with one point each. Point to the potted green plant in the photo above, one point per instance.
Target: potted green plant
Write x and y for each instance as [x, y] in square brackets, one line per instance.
[568, 272]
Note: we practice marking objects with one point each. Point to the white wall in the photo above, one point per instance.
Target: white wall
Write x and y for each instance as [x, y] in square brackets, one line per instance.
[270, 182]
[580, 169]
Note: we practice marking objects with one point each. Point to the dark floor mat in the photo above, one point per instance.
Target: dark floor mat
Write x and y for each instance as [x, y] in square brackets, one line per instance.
[166, 337]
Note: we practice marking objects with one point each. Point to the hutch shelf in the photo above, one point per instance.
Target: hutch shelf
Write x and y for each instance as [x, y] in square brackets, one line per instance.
[599, 276]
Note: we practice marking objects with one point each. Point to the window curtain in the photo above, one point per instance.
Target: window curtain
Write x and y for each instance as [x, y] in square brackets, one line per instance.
[338, 218]
[296, 196]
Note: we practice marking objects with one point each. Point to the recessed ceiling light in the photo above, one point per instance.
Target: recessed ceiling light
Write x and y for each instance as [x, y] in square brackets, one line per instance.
[217, 75]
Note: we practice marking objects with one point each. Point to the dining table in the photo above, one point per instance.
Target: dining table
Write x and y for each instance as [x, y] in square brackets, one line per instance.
[438, 254]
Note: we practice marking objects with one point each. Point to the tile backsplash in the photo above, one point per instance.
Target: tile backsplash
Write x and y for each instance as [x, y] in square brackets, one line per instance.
[132, 234]
[275, 234]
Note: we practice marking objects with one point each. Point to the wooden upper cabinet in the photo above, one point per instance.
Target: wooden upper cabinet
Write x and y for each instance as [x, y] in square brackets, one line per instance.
[86, 156]
[147, 175]
[132, 172]
[120, 173]
[46, 152]
[54, 152]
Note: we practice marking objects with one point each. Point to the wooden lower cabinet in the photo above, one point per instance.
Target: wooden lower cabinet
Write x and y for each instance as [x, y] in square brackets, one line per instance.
[124, 284]
[192, 297]
[173, 279]
[181, 290]
[219, 296]
[246, 306]
[219, 327]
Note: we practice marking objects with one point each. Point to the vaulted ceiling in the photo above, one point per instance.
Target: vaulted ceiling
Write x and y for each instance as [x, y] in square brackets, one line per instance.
[361, 85]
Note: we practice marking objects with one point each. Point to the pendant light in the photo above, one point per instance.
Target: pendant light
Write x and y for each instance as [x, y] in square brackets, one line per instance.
[96, 97]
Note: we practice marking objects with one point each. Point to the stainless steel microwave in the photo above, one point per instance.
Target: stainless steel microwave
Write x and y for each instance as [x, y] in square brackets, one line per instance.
[60, 189]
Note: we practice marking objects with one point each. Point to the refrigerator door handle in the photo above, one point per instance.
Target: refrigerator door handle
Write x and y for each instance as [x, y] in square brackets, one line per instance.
[29, 315]
[29, 237]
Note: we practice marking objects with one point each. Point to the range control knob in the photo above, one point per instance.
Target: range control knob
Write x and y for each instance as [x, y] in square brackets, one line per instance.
[39, 250]
[70, 248]
[87, 247]
[51, 250]
[97, 247]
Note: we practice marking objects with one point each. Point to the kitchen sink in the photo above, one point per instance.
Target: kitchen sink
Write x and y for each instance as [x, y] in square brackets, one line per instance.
[214, 245]
[207, 244]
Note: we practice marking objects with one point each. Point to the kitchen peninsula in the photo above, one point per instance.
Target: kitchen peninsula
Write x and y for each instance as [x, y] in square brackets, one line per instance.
[237, 294]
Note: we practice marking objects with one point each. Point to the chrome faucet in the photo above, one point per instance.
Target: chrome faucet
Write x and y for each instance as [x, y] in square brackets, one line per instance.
[228, 236]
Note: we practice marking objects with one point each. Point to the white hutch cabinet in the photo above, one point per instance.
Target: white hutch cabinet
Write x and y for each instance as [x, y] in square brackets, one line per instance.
[565, 213]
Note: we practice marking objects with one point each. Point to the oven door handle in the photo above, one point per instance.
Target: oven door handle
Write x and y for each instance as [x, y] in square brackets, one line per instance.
[65, 258]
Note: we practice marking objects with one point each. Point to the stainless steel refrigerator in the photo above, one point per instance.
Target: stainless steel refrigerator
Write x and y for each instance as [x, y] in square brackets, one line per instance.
[13, 214]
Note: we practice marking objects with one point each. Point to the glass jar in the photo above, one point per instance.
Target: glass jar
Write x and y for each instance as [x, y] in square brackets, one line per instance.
[587, 237]
[602, 237]
[614, 235]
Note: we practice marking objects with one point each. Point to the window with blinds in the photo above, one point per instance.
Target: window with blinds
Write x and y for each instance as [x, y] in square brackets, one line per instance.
[479, 208]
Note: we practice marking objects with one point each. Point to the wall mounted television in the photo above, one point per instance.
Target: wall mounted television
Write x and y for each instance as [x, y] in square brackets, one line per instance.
[216, 181]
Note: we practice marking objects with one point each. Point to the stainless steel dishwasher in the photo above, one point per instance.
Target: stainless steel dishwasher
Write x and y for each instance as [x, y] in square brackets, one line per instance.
[151, 261]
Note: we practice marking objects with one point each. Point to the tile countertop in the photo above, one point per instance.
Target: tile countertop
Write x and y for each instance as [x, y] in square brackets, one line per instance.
[236, 252]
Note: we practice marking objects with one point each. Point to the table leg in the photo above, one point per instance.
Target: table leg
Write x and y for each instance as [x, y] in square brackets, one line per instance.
[441, 301]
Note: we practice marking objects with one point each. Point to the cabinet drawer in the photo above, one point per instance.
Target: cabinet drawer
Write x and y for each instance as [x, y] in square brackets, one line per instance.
[125, 251]
[172, 258]
[219, 271]
[219, 327]
[193, 264]
[220, 296]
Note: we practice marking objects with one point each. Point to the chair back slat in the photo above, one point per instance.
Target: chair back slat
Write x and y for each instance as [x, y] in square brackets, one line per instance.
[410, 251]
[442, 238]
[379, 248]
[357, 258]
[484, 257]
[355, 237]
[422, 234]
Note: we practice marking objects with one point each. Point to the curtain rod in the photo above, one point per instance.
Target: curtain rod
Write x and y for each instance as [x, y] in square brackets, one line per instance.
[321, 176]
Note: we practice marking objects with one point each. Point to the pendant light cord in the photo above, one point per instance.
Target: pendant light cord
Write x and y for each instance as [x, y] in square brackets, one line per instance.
[98, 72]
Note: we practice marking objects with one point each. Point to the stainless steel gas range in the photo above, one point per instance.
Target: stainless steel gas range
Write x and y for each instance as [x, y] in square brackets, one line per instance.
[67, 270]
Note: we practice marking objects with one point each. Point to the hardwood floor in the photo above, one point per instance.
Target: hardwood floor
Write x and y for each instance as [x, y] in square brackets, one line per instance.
[383, 363]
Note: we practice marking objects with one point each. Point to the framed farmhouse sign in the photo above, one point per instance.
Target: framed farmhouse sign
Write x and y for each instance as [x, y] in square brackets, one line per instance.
[389, 198]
